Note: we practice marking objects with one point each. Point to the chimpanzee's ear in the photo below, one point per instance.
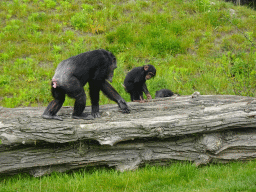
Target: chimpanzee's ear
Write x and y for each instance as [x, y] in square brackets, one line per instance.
[145, 67]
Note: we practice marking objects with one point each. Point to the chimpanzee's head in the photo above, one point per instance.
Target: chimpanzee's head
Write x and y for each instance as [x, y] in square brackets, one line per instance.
[150, 71]
[111, 67]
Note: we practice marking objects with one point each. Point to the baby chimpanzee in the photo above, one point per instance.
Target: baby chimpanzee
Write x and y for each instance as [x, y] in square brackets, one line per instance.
[135, 82]
[164, 93]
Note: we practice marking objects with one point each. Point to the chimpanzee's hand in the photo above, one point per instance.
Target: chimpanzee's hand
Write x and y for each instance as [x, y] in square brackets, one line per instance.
[149, 96]
[123, 106]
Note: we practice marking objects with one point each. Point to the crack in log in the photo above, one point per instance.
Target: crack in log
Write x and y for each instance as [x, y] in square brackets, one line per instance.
[203, 129]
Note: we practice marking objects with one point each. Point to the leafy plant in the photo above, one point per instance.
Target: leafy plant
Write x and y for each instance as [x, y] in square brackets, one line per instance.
[81, 20]
[187, 41]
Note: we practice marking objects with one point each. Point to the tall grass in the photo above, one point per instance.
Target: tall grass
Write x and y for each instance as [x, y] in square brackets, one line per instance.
[176, 177]
[198, 45]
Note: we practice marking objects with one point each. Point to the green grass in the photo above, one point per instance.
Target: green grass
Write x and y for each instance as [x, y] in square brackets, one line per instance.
[176, 177]
[195, 45]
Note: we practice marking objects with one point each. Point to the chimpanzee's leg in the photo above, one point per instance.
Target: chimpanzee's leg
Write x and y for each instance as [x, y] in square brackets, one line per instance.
[131, 95]
[94, 88]
[112, 94]
[76, 91]
[137, 96]
[55, 105]
[79, 103]
[79, 107]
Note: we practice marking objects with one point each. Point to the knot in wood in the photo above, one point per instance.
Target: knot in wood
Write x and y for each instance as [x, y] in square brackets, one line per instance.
[202, 160]
[159, 130]
[212, 142]
[24, 120]
[147, 154]
[195, 95]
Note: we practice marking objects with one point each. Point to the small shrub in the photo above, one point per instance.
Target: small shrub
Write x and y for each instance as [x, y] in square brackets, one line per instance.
[176, 28]
[57, 48]
[87, 8]
[64, 6]
[240, 72]
[48, 4]
[4, 56]
[12, 25]
[203, 5]
[217, 18]
[110, 37]
[81, 21]
[158, 83]
[38, 16]
[122, 35]
[87, 21]
[4, 80]
[167, 45]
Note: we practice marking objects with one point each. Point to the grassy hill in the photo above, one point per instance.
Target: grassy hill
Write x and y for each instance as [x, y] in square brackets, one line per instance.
[196, 45]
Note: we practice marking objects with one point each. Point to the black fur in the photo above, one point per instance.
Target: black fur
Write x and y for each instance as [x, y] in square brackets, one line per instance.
[94, 67]
[135, 81]
[164, 93]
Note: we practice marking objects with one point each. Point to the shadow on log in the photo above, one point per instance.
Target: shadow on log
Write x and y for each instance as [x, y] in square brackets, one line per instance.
[197, 128]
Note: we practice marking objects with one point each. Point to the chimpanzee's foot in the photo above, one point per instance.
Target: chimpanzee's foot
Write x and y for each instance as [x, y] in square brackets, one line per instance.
[96, 115]
[83, 116]
[52, 117]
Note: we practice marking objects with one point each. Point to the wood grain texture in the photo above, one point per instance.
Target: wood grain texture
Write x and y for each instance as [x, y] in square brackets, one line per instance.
[197, 128]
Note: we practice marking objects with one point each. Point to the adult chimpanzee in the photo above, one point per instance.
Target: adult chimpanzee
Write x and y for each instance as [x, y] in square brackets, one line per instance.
[135, 82]
[164, 93]
[94, 67]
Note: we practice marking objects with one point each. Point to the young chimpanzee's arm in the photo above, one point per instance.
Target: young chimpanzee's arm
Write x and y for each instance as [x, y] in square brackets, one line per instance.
[145, 90]
[112, 94]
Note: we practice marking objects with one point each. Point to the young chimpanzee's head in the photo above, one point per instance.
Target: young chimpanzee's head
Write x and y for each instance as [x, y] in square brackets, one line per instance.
[150, 71]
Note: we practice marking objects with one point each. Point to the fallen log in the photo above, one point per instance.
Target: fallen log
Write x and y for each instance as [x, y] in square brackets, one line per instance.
[197, 128]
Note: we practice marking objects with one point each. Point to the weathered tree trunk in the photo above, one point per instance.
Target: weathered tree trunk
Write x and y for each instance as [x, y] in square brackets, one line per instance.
[200, 129]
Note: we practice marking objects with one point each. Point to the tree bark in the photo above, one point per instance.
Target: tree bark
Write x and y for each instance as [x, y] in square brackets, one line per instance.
[197, 128]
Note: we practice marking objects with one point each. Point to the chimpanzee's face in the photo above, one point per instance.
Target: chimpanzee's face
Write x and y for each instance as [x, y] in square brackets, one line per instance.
[150, 71]
[149, 75]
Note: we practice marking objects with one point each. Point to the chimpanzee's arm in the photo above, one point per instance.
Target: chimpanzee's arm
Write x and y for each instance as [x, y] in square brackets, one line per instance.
[112, 94]
[145, 90]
